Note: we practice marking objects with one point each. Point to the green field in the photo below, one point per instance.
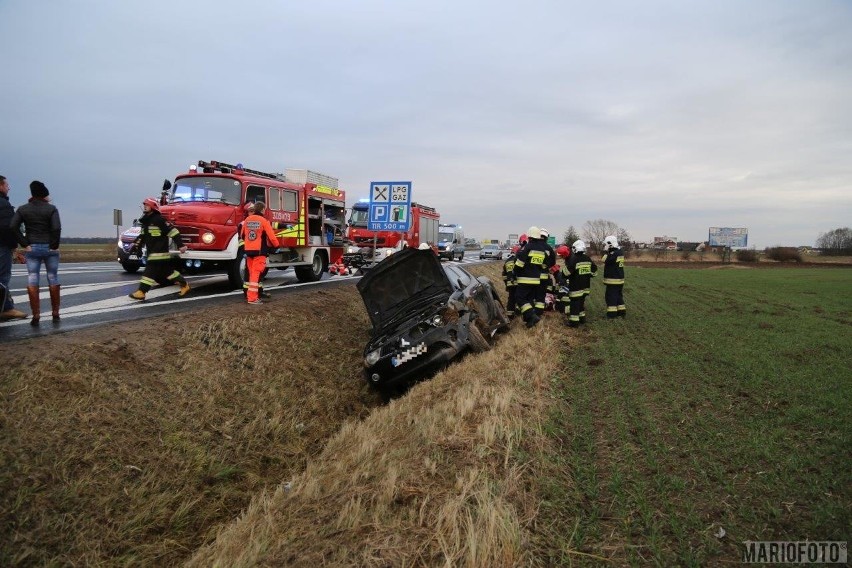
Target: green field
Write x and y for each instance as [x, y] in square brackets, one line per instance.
[723, 400]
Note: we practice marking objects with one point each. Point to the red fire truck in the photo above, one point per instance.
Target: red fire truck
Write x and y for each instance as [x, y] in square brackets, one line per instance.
[306, 209]
[424, 228]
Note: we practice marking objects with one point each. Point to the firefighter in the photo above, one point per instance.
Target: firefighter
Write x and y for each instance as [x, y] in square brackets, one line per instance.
[579, 270]
[510, 282]
[529, 265]
[546, 284]
[614, 279]
[258, 235]
[155, 235]
[562, 295]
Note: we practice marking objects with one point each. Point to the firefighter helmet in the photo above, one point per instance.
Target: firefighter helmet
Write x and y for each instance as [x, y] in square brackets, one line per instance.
[578, 246]
[563, 251]
[423, 246]
[534, 232]
[152, 203]
[522, 238]
[515, 249]
[610, 242]
[544, 233]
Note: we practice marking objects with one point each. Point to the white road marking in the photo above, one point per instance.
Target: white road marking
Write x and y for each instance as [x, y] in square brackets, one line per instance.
[123, 303]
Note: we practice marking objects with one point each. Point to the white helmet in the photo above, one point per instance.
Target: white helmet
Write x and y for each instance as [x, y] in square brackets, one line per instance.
[424, 246]
[544, 233]
[610, 242]
[578, 246]
[534, 232]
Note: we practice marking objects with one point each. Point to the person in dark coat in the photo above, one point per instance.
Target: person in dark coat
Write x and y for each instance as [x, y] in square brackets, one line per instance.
[40, 239]
[8, 244]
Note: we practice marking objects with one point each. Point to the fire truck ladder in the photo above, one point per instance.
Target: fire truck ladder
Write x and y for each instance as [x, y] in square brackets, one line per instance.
[226, 168]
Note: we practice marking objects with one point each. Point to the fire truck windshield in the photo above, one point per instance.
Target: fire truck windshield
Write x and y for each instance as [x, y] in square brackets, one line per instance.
[359, 217]
[204, 188]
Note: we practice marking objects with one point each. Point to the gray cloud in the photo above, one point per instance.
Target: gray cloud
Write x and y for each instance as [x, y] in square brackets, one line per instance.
[666, 117]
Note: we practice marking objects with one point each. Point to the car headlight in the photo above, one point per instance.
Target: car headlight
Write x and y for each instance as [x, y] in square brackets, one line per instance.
[208, 238]
[373, 357]
[437, 320]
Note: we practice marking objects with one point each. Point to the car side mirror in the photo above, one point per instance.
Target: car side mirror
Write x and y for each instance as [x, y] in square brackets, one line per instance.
[167, 185]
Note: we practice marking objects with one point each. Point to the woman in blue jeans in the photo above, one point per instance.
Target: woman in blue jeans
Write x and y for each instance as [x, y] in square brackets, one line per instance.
[41, 244]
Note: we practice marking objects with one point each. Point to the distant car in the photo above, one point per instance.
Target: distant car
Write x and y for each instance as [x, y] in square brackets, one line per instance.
[424, 315]
[131, 261]
[491, 251]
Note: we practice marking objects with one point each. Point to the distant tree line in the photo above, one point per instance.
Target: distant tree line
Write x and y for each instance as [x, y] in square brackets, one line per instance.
[87, 240]
[594, 232]
[837, 242]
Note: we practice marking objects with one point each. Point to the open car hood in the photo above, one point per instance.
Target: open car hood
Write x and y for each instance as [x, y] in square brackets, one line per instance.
[402, 282]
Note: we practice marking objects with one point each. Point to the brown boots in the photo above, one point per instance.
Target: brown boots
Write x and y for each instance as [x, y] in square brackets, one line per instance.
[35, 303]
[54, 301]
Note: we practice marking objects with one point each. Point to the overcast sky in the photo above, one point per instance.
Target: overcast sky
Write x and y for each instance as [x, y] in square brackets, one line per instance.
[664, 117]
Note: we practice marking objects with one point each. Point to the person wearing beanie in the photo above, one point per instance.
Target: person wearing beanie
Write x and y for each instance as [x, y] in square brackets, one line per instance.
[8, 244]
[40, 240]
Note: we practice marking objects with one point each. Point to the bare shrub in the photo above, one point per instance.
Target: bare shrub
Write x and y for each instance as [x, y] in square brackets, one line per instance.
[784, 254]
[686, 255]
[747, 255]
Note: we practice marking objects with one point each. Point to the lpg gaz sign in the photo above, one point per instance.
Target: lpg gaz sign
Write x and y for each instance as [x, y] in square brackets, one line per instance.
[390, 206]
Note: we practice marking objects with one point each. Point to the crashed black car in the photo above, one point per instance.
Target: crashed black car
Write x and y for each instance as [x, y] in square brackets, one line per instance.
[424, 314]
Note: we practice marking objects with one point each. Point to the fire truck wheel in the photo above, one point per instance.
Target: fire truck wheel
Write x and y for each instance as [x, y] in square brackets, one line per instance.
[236, 270]
[313, 272]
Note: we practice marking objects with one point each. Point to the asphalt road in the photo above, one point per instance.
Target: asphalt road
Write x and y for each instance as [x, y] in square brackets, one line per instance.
[96, 293]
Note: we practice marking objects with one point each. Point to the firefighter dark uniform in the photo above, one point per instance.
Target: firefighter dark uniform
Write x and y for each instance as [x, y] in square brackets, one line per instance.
[546, 282]
[155, 236]
[613, 279]
[257, 234]
[511, 284]
[578, 270]
[531, 262]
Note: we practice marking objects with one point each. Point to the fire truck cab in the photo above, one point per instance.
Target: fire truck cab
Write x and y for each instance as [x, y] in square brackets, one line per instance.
[306, 209]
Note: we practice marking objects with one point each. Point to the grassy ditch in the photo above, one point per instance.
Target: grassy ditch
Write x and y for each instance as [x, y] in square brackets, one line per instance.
[130, 444]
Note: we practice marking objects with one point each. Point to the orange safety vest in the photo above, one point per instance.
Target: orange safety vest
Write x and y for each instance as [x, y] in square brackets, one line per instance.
[258, 235]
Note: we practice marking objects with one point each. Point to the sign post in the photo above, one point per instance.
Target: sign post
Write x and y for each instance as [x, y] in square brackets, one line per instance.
[116, 220]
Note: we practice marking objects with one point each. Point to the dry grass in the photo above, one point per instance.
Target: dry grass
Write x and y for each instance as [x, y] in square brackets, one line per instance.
[442, 476]
[130, 444]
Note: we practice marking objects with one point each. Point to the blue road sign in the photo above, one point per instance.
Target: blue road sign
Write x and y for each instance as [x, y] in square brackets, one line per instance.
[390, 206]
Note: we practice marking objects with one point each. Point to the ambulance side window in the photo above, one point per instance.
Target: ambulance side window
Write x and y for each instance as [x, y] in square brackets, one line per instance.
[255, 193]
[289, 201]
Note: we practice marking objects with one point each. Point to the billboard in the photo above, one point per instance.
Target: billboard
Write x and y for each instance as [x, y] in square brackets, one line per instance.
[734, 237]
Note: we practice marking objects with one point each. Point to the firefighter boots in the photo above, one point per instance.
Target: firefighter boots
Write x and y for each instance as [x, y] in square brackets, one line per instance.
[184, 288]
[138, 295]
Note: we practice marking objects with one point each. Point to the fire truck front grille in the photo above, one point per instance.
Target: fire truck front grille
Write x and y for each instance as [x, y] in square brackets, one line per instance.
[190, 234]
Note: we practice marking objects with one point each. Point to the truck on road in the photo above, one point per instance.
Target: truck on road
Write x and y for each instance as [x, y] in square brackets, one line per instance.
[306, 209]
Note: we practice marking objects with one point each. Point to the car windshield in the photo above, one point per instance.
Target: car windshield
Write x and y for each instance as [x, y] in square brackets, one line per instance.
[207, 188]
[359, 217]
[489, 247]
[446, 234]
